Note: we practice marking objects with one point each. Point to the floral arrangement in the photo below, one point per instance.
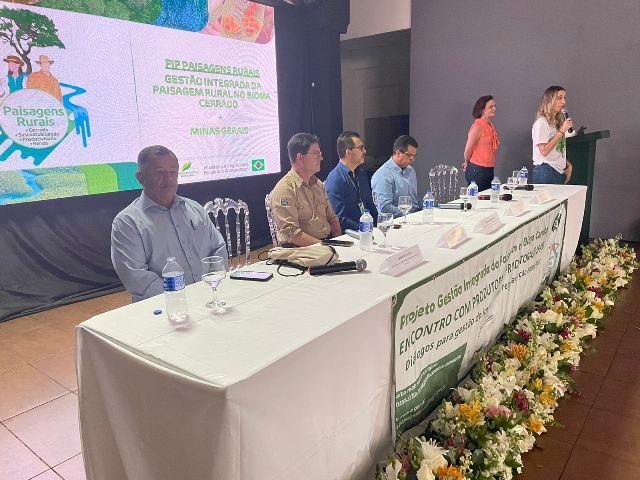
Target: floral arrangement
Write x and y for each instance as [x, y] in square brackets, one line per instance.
[494, 416]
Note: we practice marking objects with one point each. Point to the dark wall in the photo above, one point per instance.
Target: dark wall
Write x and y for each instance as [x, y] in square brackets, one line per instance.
[514, 49]
[57, 252]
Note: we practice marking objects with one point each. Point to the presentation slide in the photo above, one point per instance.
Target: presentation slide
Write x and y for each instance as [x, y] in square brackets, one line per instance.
[82, 92]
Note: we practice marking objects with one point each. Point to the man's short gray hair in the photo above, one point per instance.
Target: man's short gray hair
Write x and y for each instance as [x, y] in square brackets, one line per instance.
[153, 151]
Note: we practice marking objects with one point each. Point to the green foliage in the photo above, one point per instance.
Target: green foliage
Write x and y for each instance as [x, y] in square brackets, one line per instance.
[27, 27]
[553, 328]
[477, 457]
[512, 462]
[12, 183]
[116, 9]
[95, 7]
[141, 11]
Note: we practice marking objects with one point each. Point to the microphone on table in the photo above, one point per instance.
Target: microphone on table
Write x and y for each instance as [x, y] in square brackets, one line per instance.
[527, 187]
[565, 112]
[358, 265]
[454, 206]
[504, 196]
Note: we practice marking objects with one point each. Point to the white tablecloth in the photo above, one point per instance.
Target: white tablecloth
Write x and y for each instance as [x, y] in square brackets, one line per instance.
[292, 381]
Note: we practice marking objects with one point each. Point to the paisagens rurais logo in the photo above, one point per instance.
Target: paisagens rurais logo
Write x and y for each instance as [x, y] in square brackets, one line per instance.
[37, 111]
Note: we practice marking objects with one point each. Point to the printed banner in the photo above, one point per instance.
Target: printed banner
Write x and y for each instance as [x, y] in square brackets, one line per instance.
[441, 322]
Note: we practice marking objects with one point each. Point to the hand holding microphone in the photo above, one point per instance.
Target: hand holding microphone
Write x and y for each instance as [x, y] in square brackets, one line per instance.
[567, 125]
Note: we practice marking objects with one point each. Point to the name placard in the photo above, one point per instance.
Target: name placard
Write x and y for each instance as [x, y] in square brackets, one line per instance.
[402, 261]
[516, 209]
[452, 237]
[489, 224]
[542, 197]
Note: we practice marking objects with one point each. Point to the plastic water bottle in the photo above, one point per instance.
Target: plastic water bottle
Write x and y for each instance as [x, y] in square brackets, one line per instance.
[472, 192]
[174, 292]
[495, 189]
[428, 208]
[523, 177]
[366, 231]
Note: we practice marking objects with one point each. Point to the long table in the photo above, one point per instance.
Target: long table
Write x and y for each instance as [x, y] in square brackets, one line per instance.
[292, 381]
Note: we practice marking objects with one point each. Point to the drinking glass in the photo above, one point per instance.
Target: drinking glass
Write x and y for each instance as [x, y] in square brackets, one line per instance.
[214, 271]
[464, 197]
[385, 223]
[516, 174]
[405, 204]
[512, 182]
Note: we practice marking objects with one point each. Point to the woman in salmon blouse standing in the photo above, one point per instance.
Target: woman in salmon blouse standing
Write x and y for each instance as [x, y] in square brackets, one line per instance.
[482, 144]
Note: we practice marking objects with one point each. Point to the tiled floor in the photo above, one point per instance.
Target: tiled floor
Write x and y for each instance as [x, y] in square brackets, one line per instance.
[600, 437]
[39, 435]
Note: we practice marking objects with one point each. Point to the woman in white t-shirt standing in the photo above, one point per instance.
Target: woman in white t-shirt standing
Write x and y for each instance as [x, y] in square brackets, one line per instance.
[550, 164]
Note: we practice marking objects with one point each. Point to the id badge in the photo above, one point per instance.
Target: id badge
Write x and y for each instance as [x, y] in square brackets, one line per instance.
[361, 205]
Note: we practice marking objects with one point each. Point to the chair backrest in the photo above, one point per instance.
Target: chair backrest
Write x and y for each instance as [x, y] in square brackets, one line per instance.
[272, 222]
[240, 209]
[443, 181]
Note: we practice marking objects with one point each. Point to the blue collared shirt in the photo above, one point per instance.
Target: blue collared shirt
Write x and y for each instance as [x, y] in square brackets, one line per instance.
[347, 194]
[145, 234]
[389, 183]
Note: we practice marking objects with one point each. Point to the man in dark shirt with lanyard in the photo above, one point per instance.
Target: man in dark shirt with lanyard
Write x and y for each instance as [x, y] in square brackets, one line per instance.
[347, 184]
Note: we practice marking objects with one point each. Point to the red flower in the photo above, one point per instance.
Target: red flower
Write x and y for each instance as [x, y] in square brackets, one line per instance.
[406, 464]
[524, 335]
[596, 290]
[520, 399]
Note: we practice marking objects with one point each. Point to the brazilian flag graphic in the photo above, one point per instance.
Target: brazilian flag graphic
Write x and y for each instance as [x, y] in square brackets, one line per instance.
[257, 165]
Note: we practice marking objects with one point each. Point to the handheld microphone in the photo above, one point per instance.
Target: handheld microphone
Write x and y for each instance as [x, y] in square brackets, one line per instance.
[504, 196]
[527, 187]
[566, 115]
[454, 206]
[358, 265]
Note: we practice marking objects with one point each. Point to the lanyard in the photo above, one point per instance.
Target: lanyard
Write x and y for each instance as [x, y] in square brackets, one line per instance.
[356, 186]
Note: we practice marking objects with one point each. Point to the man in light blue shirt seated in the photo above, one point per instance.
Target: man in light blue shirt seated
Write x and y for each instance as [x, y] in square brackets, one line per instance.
[347, 185]
[160, 224]
[396, 178]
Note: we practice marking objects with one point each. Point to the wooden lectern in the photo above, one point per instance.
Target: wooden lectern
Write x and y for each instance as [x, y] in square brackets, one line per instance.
[581, 152]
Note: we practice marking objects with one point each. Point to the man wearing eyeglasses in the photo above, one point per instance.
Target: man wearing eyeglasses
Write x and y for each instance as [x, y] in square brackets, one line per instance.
[397, 178]
[299, 201]
[347, 184]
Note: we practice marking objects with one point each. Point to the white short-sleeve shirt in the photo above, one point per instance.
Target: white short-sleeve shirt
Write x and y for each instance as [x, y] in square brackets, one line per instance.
[543, 132]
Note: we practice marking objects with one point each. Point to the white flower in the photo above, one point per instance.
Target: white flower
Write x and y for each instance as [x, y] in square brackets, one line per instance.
[425, 472]
[546, 341]
[586, 330]
[621, 282]
[432, 455]
[467, 395]
[449, 410]
[393, 469]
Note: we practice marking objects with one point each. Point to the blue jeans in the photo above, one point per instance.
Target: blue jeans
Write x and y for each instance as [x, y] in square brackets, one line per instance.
[546, 174]
[481, 175]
